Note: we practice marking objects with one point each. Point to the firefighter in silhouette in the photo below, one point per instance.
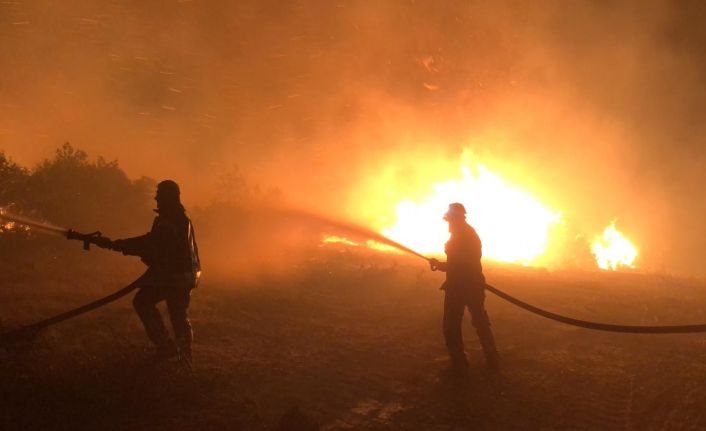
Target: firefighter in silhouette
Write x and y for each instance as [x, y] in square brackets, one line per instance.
[464, 287]
[169, 250]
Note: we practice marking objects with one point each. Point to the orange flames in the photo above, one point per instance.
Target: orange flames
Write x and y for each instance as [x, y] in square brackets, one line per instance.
[514, 226]
[5, 225]
[335, 239]
[613, 250]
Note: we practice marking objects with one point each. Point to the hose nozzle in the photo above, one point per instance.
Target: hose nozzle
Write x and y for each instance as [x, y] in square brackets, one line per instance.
[87, 238]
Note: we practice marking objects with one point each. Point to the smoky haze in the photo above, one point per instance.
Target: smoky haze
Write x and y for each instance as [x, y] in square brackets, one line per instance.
[596, 106]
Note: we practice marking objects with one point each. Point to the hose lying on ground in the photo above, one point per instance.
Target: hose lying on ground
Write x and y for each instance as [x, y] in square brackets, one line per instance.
[29, 330]
[632, 329]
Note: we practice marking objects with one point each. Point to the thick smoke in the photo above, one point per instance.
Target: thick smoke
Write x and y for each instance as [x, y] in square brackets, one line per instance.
[595, 106]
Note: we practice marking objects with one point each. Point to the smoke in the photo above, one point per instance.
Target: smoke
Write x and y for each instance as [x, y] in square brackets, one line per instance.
[351, 105]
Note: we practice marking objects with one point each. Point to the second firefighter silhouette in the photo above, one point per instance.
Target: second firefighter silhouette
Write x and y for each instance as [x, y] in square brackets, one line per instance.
[169, 250]
[464, 288]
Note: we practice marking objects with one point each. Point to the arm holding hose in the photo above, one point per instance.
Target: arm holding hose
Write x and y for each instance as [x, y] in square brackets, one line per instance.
[95, 238]
[436, 265]
[130, 246]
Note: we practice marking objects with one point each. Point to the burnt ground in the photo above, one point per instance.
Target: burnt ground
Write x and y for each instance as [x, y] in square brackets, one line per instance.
[356, 346]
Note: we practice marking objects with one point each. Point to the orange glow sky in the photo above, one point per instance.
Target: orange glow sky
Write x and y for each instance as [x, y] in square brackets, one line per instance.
[594, 108]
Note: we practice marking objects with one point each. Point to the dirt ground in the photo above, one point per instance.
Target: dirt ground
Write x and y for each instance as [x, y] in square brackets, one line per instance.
[356, 346]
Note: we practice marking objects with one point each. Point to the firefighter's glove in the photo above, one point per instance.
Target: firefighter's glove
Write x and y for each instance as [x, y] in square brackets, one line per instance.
[433, 264]
[102, 242]
[118, 245]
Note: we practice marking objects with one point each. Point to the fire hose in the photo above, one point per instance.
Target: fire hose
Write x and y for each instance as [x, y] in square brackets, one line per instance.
[30, 330]
[87, 239]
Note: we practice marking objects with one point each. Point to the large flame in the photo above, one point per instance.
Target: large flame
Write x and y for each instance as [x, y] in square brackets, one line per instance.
[513, 222]
[513, 225]
[613, 250]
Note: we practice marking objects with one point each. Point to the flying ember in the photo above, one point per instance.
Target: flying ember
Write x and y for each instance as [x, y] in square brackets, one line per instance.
[613, 250]
[513, 225]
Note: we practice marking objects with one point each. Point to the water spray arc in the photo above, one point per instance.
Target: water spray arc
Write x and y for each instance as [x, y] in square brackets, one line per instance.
[87, 238]
[34, 224]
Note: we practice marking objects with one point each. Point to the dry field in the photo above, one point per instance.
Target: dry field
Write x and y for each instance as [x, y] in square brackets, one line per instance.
[355, 345]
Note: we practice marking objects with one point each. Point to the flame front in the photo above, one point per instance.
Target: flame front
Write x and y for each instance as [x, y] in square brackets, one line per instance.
[5, 225]
[613, 250]
[513, 225]
[372, 244]
[335, 239]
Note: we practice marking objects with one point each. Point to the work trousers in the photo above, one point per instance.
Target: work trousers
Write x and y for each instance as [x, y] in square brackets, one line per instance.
[456, 300]
[175, 289]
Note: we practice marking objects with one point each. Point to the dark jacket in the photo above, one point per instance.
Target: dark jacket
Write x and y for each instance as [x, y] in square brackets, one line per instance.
[464, 252]
[170, 246]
